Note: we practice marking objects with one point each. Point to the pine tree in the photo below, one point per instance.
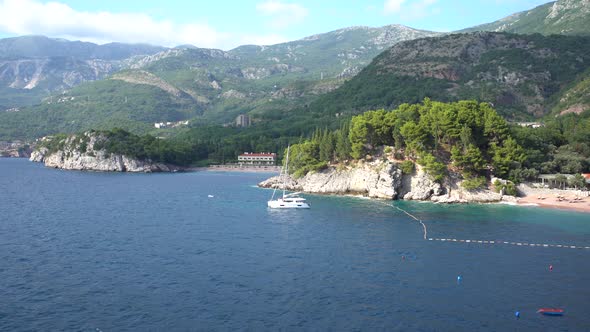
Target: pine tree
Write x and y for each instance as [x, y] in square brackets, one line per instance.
[342, 143]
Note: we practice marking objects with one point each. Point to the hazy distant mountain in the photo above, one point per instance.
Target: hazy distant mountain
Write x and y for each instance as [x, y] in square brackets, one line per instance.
[566, 17]
[33, 67]
[44, 47]
[523, 76]
[338, 53]
[213, 84]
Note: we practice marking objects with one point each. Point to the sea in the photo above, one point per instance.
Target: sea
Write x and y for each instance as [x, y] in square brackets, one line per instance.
[200, 251]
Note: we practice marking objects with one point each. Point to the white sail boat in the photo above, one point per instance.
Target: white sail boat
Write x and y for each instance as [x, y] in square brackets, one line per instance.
[287, 201]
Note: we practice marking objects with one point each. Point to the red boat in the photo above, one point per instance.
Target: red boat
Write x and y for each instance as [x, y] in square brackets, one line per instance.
[551, 311]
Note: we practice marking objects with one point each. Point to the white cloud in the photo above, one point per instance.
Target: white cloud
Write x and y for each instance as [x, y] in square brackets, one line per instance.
[393, 6]
[409, 10]
[54, 19]
[282, 14]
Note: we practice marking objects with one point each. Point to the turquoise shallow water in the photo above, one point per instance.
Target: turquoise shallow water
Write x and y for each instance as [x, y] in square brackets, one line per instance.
[102, 251]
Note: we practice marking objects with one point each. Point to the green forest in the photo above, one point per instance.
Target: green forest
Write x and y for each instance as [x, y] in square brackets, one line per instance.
[465, 137]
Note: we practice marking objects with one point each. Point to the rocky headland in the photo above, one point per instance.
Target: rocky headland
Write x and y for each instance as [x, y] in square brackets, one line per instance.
[15, 149]
[384, 179]
[85, 152]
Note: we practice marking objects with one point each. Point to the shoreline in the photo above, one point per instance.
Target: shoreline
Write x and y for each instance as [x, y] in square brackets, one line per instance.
[226, 168]
[567, 200]
[567, 203]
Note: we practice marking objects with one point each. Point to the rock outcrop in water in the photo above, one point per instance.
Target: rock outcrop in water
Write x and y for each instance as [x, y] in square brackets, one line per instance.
[77, 152]
[382, 179]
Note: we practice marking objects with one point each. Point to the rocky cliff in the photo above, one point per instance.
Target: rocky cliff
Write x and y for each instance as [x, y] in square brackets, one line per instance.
[78, 152]
[15, 149]
[384, 180]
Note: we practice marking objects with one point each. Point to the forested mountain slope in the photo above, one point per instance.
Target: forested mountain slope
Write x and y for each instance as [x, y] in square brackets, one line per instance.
[213, 85]
[522, 76]
[566, 17]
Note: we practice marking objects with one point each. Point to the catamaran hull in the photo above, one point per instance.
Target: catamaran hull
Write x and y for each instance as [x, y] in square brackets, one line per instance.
[287, 205]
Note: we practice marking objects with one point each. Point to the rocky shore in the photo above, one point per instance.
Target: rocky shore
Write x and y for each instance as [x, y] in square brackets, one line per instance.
[384, 179]
[76, 154]
[15, 149]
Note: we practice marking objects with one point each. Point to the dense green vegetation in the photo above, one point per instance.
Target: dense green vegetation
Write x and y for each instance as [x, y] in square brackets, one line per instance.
[523, 76]
[465, 136]
[372, 90]
[575, 97]
[323, 147]
[119, 141]
[99, 105]
[469, 136]
[148, 147]
[562, 145]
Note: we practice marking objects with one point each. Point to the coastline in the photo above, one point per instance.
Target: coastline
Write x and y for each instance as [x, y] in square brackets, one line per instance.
[236, 168]
[552, 202]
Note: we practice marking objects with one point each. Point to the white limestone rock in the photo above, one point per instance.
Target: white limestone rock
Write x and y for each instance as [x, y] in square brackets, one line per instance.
[73, 157]
[380, 179]
[38, 155]
[420, 186]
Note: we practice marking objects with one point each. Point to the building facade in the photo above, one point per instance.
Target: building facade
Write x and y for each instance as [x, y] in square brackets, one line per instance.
[243, 120]
[257, 159]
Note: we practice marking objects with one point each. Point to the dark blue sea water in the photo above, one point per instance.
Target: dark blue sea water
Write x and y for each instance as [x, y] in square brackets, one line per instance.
[135, 252]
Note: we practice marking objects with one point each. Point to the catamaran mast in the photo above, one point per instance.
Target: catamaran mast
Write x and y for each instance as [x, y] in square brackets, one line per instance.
[286, 170]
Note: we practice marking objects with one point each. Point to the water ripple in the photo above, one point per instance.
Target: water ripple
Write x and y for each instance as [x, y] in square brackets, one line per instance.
[127, 252]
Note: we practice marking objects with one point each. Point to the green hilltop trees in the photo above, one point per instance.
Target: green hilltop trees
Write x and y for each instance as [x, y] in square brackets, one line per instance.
[562, 145]
[469, 136]
[323, 147]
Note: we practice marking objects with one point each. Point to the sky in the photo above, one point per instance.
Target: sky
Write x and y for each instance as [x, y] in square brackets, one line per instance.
[228, 24]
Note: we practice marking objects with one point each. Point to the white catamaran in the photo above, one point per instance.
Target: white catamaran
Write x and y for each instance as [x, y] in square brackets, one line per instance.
[287, 201]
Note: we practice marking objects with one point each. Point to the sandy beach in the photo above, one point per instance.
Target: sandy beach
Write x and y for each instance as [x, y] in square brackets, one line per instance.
[564, 201]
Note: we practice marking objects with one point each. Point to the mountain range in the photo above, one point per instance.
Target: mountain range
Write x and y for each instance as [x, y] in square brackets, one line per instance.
[564, 17]
[522, 76]
[32, 67]
[76, 86]
[181, 83]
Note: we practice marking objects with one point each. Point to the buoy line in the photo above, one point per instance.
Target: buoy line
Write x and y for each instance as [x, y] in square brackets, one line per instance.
[518, 244]
[414, 217]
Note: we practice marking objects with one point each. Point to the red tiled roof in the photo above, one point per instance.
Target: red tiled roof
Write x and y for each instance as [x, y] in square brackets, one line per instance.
[586, 175]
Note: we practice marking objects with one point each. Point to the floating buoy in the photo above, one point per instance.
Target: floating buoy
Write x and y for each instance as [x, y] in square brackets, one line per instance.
[517, 314]
[459, 278]
[210, 196]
